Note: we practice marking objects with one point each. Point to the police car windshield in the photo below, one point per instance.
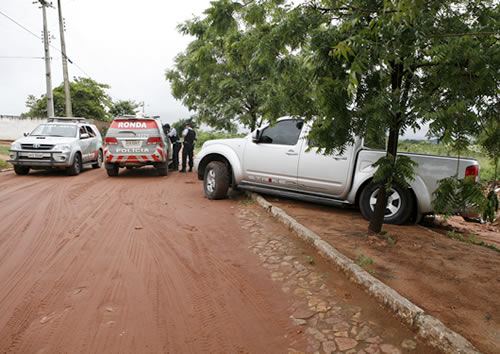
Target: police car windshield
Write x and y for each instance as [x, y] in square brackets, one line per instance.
[62, 130]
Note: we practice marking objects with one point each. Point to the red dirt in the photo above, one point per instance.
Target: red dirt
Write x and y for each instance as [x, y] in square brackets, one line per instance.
[136, 264]
[457, 282]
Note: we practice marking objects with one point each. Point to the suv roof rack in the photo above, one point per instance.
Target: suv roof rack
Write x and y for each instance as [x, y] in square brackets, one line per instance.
[131, 116]
[67, 119]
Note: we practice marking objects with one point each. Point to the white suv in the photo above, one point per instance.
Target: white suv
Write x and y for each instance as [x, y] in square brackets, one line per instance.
[62, 142]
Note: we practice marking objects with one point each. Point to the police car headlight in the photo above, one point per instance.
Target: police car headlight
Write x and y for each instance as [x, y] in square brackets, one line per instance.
[62, 147]
[15, 146]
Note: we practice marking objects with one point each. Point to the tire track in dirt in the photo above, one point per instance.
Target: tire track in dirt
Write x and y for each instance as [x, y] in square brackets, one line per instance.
[136, 263]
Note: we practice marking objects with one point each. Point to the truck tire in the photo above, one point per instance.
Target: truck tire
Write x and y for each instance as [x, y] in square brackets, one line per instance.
[216, 181]
[76, 167]
[399, 203]
[21, 170]
[98, 163]
[113, 171]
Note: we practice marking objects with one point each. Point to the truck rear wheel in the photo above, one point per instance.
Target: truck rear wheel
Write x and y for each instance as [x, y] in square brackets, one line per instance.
[21, 170]
[98, 163]
[216, 181]
[399, 203]
[113, 171]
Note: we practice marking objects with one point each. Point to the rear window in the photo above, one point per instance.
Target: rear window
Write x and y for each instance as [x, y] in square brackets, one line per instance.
[134, 124]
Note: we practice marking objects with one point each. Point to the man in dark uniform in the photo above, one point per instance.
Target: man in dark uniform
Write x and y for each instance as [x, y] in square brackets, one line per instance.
[190, 137]
[176, 144]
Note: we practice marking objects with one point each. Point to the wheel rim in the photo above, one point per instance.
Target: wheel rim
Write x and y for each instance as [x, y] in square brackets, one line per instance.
[210, 181]
[393, 202]
[77, 164]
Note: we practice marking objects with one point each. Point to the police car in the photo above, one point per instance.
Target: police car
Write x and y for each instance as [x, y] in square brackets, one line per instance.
[134, 142]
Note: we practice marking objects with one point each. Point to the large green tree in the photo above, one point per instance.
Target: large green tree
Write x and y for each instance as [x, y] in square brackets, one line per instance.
[88, 97]
[123, 107]
[220, 75]
[381, 65]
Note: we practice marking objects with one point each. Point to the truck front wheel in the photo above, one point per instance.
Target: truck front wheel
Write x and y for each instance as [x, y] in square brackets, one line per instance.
[399, 203]
[216, 181]
[76, 167]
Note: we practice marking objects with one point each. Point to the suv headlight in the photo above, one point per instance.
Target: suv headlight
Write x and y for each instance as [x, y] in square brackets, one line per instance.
[15, 146]
[62, 147]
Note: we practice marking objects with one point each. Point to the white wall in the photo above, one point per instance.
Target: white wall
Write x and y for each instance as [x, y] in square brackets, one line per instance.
[12, 127]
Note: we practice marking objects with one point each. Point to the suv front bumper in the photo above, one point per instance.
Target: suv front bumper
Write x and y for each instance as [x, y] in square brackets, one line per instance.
[40, 158]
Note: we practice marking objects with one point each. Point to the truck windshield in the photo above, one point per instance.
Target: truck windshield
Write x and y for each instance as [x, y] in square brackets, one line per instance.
[63, 130]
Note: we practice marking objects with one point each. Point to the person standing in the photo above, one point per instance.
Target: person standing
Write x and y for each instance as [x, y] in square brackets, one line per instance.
[176, 144]
[189, 136]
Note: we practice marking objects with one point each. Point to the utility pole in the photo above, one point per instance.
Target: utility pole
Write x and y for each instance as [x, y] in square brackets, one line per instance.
[67, 94]
[50, 99]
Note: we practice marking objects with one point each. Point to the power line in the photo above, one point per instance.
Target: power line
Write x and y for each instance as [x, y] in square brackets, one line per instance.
[33, 34]
[18, 57]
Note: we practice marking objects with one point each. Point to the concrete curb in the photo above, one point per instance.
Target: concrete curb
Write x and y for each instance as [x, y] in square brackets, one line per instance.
[428, 328]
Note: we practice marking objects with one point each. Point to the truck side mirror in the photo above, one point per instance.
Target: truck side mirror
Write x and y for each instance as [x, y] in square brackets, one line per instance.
[26, 134]
[84, 136]
[256, 135]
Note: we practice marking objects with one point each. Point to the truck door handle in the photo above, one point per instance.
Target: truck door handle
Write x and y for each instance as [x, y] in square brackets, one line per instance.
[291, 152]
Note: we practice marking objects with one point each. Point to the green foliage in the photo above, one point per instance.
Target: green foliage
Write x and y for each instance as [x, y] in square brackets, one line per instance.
[310, 260]
[392, 170]
[204, 136]
[471, 239]
[491, 207]
[4, 164]
[122, 108]
[4, 150]
[364, 261]
[454, 196]
[88, 98]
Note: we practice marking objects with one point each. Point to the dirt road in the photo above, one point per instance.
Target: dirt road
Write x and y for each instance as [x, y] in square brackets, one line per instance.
[145, 264]
[133, 264]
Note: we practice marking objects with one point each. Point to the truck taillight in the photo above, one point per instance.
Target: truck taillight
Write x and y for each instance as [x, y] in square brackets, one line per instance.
[110, 141]
[472, 171]
[154, 140]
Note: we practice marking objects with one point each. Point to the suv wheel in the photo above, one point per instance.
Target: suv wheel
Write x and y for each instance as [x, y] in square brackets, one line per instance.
[162, 169]
[98, 163]
[21, 170]
[113, 171]
[76, 168]
[216, 181]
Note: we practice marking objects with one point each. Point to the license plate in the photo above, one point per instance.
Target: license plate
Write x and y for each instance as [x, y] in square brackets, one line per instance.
[132, 143]
[37, 155]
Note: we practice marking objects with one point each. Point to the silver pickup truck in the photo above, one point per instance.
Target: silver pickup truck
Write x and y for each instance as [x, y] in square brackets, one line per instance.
[278, 160]
[62, 142]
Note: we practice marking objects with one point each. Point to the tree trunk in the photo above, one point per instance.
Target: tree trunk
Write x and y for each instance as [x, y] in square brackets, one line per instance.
[377, 218]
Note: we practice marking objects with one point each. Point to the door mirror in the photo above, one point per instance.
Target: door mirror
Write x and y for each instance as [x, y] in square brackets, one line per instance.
[256, 135]
[84, 136]
[26, 134]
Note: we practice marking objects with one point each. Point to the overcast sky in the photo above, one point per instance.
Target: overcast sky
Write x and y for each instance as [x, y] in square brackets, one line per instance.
[123, 43]
[127, 44]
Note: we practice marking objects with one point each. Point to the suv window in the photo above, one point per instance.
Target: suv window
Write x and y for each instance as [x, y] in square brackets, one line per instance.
[91, 131]
[285, 132]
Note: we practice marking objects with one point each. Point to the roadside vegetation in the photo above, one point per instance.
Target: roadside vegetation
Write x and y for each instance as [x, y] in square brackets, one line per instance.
[358, 69]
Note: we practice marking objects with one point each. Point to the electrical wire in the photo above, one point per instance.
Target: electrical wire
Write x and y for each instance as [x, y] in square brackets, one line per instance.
[33, 34]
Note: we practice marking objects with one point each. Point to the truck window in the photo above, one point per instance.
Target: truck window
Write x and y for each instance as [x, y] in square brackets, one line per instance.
[91, 131]
[285, 132]
[375, 140]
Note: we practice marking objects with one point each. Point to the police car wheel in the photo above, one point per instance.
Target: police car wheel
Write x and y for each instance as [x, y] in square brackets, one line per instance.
[162, 171]
[113, 171]
[98, 163]
[216, 181]
[76, 167]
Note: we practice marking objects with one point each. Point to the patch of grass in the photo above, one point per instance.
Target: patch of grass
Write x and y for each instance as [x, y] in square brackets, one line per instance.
[364, 261]
[471, 239]
[4, 165]
[310, 260]
[247, 202]
[4, 150]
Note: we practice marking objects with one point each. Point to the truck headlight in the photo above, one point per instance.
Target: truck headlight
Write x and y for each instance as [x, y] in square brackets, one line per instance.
[62, 147]
[15, 146]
